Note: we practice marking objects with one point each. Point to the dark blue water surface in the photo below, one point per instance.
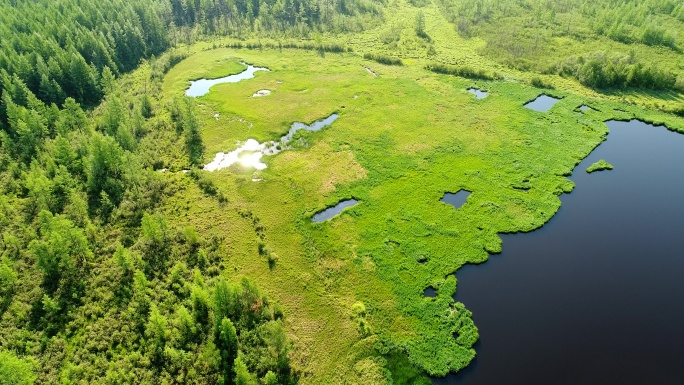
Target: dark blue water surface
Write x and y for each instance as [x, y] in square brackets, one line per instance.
[596, 296]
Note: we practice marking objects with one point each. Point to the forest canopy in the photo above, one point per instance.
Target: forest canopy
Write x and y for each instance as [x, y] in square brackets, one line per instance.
[94, 285]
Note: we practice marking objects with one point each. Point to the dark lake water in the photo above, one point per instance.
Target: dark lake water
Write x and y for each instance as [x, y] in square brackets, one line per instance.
[334, 210]
[479, 94]
[201, 87]
[542, 103]
[430, 292]
[596, 296]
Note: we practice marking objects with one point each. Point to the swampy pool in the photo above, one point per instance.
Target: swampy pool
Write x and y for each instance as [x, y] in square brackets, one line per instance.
[542, 103]
[457, 199]
[479, 94]
[596, 296]
[201, 87]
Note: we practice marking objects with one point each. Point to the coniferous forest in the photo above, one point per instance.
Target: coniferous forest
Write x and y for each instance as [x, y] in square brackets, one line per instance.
[93, 288]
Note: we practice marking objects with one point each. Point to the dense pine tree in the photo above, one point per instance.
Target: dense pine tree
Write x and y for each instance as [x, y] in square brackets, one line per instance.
[84, 262]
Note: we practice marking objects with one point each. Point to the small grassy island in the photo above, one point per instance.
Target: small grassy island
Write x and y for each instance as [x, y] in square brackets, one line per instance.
[599, 166]
[149, 237]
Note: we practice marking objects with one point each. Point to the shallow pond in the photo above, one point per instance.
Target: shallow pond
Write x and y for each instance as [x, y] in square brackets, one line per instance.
[596, 296]
[585, 108]
[479, 94]
[542, 103]
[457, 199]
[201, 87]
[332, 211]
[430, 292]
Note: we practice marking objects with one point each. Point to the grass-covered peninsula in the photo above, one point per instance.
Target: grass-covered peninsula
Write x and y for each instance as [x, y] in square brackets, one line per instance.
[599, 166]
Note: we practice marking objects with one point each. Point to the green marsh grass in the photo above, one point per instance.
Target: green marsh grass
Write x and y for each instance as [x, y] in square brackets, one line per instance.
[397, 161]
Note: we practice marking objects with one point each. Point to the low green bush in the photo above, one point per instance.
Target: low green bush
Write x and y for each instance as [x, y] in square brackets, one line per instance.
[462, 71]
[383, 59]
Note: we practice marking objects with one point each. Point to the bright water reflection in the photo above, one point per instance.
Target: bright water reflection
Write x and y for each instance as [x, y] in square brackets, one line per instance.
[249, 154]
[201, 87]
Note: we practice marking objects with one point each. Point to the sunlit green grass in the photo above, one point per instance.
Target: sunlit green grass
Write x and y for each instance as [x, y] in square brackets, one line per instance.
[403, 139]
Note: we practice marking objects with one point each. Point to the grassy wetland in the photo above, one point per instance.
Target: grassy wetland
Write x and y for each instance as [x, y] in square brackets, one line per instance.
[223, 276]
[398, 163]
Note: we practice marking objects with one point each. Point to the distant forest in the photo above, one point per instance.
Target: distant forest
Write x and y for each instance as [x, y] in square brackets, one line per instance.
[59, 49]
[521, 33]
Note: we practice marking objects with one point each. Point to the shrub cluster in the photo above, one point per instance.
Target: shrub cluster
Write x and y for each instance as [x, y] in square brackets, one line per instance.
[383, 59]
[539, 83]
[207, 185]
[603, 71]
[462, 71]
[306, 45]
